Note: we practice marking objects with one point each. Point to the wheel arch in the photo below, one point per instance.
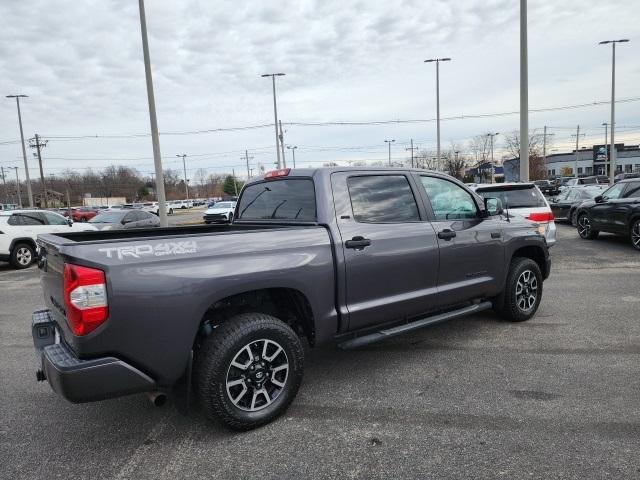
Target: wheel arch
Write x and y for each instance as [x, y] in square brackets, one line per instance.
[285, 303]
[27, 240]
[535, 253]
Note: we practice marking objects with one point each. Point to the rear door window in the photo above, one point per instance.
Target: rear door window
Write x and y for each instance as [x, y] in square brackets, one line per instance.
[288, 199]
[382, 199]
[515, 196]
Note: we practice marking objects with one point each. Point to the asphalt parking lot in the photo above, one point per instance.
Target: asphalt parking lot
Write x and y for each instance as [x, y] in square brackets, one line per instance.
[555, 397]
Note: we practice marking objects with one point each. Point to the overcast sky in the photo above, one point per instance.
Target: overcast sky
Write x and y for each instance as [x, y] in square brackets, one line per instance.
[81, 64]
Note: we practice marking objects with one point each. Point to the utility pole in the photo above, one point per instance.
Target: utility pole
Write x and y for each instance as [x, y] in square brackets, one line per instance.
[35, 143]
[18, 187]
[184, 168]
[293, 152]
[544, 150]
[412, 148]
[284, 161]
[612, 155]
[577, 135]
[524, 95]
[606, 150]
[4, 184]
[24, 151]
[438, 60]
[389, 142]
[491, 136]
[275, 112]
[155, 138]
[247, 158]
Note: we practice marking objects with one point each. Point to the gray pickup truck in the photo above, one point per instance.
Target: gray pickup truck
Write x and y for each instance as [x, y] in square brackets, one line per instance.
[343, 255]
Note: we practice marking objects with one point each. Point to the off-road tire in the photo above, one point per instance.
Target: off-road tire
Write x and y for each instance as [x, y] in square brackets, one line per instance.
[220, 349]
[507, 304]
[22, 255]
[584, 228]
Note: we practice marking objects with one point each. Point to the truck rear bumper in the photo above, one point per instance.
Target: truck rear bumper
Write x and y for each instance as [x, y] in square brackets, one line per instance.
[80, 380]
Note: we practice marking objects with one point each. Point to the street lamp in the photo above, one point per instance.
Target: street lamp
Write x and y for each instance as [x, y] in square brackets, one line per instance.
[184, 168]
[275, 112]
[24, 151]
[389, 142]
[293, 152]
[438, 60]
[612, 155]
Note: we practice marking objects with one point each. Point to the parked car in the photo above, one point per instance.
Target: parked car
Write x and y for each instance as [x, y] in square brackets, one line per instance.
[524, 200]
[81, 214]
[624, 176]
[19, 229]
[603, 179]
[125, 219]
[616, 210]
[181, 204]
[547, 188]
[220, 212]
[351, 256]
[574, 182]
[564, 206]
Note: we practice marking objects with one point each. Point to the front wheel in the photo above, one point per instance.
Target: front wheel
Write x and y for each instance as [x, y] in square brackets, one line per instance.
[584, 228]
[635, 234]
[249, 370]
[574, 217]
[522, 292]
[230, 217]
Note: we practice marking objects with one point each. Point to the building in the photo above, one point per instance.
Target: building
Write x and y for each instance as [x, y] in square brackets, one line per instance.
[482, 173]
[589, 161]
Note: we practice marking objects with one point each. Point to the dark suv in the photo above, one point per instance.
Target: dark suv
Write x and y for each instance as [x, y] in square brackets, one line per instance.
[617, 211]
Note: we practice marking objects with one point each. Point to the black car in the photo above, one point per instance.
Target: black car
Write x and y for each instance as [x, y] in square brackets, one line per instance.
[564, 206]
[124, 219]
[547, 188]
[624, 176]
[617, 210]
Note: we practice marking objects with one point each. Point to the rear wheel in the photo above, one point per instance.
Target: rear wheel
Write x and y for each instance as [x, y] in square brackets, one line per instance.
[584, 228]
[249, 370]
[522, 292]
[635, 234]
[22, 255]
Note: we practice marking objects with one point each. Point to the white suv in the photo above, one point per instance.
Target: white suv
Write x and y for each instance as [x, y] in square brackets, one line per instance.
[20, 228]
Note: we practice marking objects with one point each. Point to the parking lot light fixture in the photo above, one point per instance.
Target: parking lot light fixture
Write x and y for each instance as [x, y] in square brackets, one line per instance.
[612, 155]
[437, 61]
[389, 142]
[275, 113]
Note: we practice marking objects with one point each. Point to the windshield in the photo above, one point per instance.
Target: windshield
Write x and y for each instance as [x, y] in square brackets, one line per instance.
[515, 196]
[224, 205]
[591, 192]
[290, 199]
[107, 217]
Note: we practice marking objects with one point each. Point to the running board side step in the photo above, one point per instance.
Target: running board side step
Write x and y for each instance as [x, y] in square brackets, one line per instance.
[410, 327]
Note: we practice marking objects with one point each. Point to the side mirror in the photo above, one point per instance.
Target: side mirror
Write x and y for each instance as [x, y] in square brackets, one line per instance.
[69, 222]
[599, 199]
[493, 206]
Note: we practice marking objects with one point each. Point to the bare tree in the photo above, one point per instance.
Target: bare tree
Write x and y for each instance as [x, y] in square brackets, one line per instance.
[537, 169]
[455, 162]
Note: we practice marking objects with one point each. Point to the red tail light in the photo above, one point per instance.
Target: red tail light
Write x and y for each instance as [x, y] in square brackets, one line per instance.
[541, 217]
[283, 172]
[85, 298]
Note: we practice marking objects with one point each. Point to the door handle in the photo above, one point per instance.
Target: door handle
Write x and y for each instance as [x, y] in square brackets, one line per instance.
[446, 234]
[357, 242]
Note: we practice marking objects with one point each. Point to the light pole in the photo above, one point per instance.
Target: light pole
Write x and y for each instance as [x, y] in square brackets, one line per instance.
[275, 113]
[544, 150]
[18, 187]
[155, 138]
[438, 60]
[293, 152]
[24, 151]
[606, 149]
[184, 168]
[491, 136]
[389, 142]
[524, 95]
[612, 155]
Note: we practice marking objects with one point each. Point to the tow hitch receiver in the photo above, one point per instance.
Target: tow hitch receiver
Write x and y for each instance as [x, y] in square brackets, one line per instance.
[43, 331]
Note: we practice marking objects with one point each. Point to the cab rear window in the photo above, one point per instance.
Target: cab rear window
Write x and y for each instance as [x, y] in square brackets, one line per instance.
[289, 199]
[515, 196]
